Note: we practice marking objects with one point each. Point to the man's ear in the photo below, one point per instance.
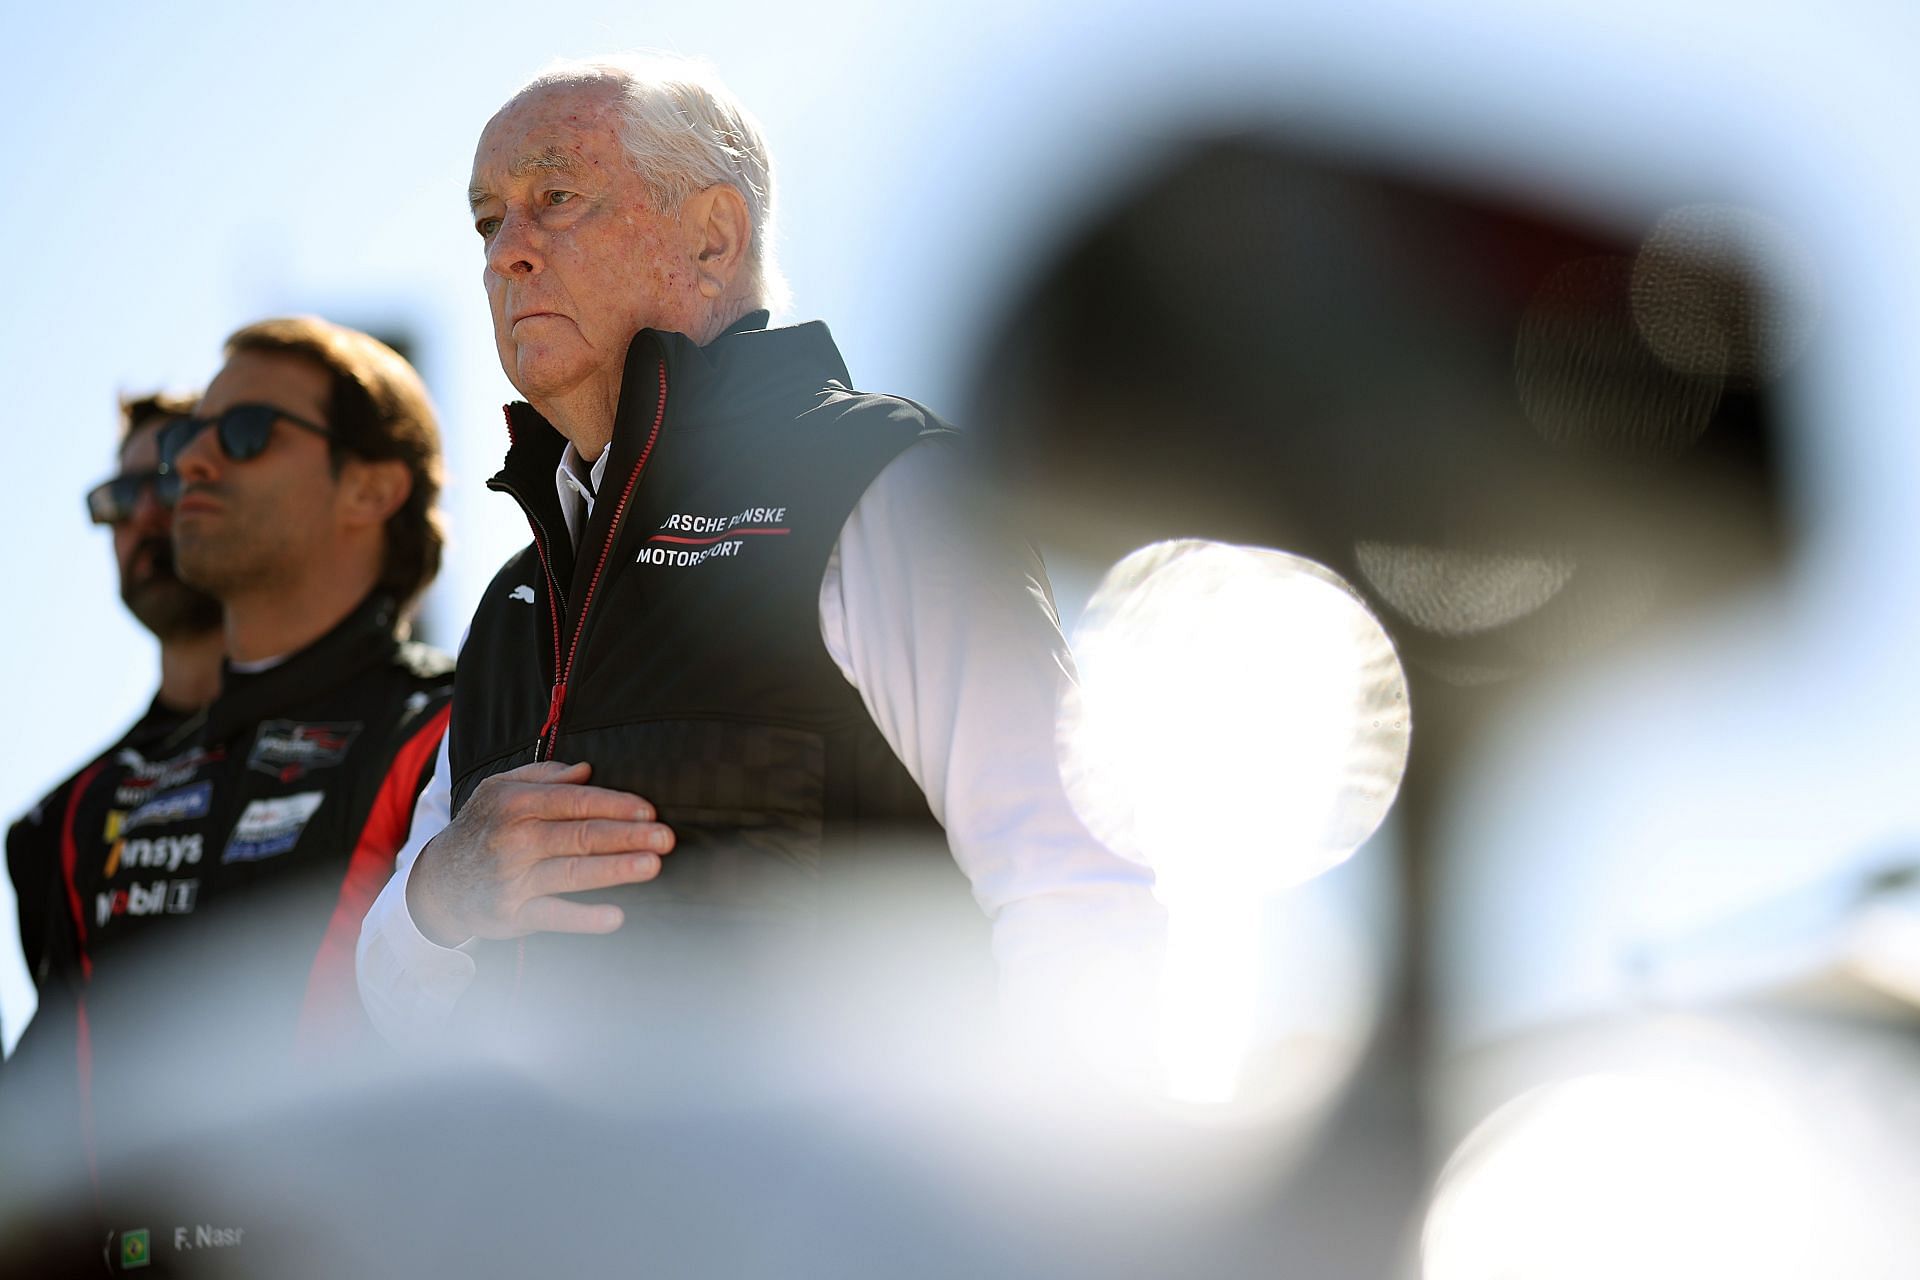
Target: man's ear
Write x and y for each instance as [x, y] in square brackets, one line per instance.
[371, 491]
[721, 231]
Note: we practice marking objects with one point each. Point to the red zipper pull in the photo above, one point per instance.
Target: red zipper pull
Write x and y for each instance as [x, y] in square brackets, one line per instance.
[553, 709]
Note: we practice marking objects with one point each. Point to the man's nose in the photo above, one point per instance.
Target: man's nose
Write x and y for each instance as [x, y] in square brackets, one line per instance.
[515, 249]
[200, 459]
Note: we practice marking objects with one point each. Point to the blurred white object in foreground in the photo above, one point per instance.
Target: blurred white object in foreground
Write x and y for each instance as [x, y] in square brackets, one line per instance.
[1614, 1175]
[1241, 724]
[1755, 1144]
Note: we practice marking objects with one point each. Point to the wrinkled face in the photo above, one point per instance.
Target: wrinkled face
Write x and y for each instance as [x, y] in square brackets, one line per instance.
[579, 258]
[241, 526]
[143, 550]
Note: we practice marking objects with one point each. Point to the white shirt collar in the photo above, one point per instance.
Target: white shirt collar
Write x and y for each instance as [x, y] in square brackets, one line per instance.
[577, 484]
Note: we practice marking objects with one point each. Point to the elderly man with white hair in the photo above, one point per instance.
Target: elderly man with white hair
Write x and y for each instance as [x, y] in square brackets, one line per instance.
[762, 634]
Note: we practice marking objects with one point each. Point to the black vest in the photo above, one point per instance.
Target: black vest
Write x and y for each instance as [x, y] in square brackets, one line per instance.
[678, 648]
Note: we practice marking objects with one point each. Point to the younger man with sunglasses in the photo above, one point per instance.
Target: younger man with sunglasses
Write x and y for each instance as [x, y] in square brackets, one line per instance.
[214, 881]
[137, 505]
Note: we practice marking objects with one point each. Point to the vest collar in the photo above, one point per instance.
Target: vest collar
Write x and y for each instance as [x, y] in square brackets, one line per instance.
[747, 372]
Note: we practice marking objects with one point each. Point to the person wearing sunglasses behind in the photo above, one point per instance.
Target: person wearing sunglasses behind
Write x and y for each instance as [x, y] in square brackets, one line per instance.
[214, 880]
[136, 504]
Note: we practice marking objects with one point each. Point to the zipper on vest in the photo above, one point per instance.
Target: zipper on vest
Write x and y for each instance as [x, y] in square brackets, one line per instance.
[556, 602]
[550, 731]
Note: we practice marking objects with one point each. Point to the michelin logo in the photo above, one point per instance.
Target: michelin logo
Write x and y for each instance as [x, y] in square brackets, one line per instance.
[268, 828]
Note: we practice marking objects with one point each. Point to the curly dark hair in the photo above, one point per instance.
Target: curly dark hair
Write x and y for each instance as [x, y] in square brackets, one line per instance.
[158, 406]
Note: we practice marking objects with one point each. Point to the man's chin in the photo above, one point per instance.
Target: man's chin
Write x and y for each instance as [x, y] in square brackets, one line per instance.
[171, 609]
[547, 370]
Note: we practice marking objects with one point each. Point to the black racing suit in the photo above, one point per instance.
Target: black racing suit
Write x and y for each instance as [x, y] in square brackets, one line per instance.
[212, 883]
[33, 843]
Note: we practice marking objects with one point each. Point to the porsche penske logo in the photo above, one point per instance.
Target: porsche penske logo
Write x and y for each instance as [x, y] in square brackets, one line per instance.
[288, 750]
[685, 539]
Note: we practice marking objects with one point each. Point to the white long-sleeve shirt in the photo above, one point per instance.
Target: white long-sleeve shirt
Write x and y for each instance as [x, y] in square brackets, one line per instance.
[948, 631]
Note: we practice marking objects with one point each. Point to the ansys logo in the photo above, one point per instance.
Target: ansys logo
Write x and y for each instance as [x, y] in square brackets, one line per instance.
[136, 1249]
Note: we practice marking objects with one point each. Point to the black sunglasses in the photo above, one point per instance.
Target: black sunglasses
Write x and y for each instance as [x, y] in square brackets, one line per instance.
[112, 501]
[243, 432]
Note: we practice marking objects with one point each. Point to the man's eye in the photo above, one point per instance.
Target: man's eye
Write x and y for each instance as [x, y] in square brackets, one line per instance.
[559, 197]
[487, 226]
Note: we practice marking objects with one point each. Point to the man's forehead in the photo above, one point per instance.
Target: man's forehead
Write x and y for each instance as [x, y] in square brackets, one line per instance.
[543, 118]
[551, 129]
[550, 158]
[544, 160]
[280, 378]
[141, 448]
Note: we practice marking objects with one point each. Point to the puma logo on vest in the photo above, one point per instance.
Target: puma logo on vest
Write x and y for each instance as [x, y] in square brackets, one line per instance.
[522, 592]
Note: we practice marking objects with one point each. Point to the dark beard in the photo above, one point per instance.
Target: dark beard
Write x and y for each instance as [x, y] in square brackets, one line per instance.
[165, 605]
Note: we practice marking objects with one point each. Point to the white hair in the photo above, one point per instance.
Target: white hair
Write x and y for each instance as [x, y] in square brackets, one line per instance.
[683, 130]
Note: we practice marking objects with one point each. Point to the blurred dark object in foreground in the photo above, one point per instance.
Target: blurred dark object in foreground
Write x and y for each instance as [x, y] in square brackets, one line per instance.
[1518, 436]
[1524, 436]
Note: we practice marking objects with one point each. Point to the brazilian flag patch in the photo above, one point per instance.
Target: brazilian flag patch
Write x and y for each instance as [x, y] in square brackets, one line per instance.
[136, 1249]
